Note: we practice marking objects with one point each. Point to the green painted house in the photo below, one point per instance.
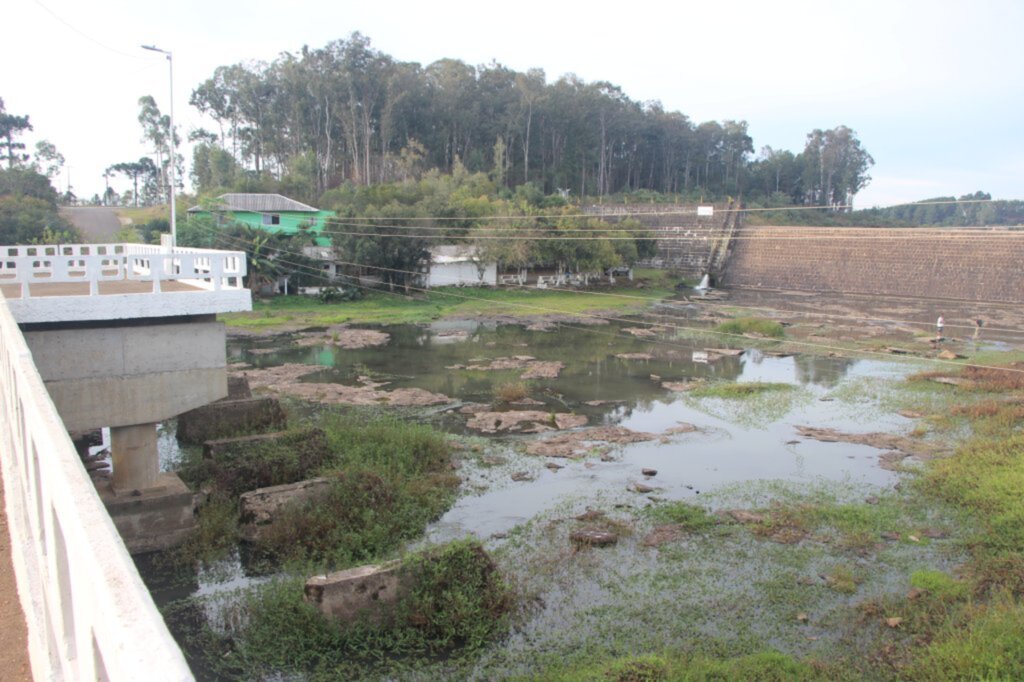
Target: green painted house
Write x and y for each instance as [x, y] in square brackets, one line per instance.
[271, 212]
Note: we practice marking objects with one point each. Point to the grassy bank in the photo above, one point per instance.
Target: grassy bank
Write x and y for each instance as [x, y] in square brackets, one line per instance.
[380, 307]
[810, 581]
[386, 480]
[921, 580]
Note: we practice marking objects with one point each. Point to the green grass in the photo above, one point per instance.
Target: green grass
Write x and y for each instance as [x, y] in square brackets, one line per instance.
[974, 625]
[736, 391]
[752, 325]
[987, 645]
[986, 476]
[939, 584]
[384, 308]
[690, 517]
[657, 277]
[455, 601]
[388, 479]
[675, 667]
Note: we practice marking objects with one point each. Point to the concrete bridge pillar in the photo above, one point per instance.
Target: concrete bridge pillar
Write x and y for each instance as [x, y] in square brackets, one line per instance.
[129, 376]
[136, 460]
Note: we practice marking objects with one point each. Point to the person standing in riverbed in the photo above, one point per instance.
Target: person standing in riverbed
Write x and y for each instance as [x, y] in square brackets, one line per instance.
[978, 324]
[939, 324]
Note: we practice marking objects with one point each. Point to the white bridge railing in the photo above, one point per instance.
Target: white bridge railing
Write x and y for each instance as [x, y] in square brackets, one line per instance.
[89, 615]
[95, 263]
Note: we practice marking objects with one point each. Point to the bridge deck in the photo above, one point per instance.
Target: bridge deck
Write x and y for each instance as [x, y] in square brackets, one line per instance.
[13, 635]
[110, 288]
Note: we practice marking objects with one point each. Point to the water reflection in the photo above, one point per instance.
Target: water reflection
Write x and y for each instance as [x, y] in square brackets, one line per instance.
[434, 358]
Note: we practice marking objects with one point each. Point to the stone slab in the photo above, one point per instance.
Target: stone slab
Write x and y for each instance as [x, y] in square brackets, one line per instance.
[230, 417]
[365, 592]
[239, 465]
[257, 508]
[238, 388]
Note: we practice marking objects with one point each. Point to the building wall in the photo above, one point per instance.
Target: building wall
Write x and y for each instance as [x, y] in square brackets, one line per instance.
[461, 273]
[967, 264]
[290, 222]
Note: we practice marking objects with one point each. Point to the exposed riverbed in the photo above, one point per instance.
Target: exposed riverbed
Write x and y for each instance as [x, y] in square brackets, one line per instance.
[715, 452]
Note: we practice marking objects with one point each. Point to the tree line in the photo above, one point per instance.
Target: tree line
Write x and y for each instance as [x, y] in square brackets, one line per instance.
[313, 120]
[28, 201]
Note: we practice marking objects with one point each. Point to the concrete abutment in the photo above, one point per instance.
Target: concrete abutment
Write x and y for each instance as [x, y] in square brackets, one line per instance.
[130, 375]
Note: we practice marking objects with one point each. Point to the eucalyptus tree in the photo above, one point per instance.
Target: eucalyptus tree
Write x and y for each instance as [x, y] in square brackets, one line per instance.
[156, 130]
[835, 167]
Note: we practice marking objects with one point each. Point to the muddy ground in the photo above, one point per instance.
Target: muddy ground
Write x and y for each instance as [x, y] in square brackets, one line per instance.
[858, 317]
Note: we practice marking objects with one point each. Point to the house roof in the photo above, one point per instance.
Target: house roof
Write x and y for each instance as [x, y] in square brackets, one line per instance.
[257, 203]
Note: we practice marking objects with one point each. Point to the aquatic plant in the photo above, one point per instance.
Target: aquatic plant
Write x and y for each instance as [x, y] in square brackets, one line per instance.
[752, 325]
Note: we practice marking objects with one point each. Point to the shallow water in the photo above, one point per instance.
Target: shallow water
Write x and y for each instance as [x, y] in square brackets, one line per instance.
[736, 441]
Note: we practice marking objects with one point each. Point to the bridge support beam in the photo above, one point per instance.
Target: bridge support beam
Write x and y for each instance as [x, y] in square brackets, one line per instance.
[129, 376]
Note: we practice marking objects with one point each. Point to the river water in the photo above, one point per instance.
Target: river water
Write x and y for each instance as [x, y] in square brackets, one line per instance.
[734, 441]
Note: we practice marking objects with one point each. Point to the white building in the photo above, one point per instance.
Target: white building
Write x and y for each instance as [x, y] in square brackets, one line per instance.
[459, 265]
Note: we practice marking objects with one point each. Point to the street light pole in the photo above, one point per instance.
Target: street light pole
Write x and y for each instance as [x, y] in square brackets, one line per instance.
[170, 172]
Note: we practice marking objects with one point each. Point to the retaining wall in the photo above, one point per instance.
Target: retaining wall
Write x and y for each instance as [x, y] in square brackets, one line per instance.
[974, 264]
[685, 240]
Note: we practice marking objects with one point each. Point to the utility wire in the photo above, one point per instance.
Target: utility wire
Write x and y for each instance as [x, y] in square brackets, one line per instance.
[652, 235]
[86, 35]
[680, 211]
[655, 233]
[830, 316]
[676, 327]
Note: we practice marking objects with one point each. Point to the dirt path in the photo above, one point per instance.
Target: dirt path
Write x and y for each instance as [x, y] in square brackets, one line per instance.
[97, 224]
[14, 665]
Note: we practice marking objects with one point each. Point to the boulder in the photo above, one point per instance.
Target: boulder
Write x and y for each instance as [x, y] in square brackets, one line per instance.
[593, 537]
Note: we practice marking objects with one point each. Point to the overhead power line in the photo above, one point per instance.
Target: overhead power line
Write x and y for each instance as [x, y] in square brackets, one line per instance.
[85, 35]
[550, 233]
[682, 210]
[858, 318]
[608, 318]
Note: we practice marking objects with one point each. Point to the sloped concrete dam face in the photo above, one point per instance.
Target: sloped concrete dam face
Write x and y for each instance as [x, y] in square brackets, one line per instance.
[960, 264]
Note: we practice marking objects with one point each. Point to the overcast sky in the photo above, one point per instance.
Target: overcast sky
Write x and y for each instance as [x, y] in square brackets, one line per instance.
[933, 88]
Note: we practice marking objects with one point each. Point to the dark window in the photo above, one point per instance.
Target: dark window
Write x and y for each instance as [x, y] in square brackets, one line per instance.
[271, 219]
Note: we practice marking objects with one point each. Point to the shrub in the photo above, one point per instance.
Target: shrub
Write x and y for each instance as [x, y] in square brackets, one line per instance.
[329, 295]
[511, 392]
[248, 465]
[458, 598]
[389, 446]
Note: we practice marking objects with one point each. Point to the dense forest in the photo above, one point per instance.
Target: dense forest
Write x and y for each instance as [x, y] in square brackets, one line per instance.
[347, 113]
[378, 140]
